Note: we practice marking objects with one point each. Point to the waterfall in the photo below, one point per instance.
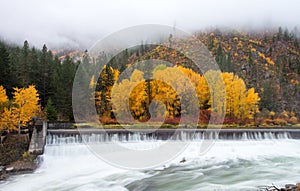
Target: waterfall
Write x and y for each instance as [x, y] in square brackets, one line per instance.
[54, 139]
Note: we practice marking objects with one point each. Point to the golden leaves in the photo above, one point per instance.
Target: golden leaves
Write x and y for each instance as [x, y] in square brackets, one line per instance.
[215, 91]
[23, 107]
[3, 96]
[25, 103]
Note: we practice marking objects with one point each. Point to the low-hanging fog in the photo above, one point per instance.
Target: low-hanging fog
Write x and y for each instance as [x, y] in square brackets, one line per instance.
[79, 23]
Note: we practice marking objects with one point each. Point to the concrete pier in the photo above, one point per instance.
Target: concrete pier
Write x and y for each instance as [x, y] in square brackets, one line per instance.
[38, 138]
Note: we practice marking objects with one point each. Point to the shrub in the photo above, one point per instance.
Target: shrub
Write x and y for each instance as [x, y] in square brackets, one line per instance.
[172, 121]
[279, 121]
[293, 120]
[204, 116]
[269, 121]
[107, 120]
[13, 148]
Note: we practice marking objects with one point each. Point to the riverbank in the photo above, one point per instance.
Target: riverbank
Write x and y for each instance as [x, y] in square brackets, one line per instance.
[287, 187]
[154, 125]
[16, 168]
[14, 156]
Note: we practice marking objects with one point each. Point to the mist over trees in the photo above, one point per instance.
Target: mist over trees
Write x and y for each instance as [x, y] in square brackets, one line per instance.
[266, 63]
[52, 77]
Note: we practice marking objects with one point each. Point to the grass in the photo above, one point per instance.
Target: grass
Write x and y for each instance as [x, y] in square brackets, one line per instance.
[156, 125]
[296, 125]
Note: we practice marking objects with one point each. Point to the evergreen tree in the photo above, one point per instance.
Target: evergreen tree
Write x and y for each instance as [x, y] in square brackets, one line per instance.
[286, 35]
[253, 70]
[230, 65]
[268, 97]
[22, 69]
[219, 57]
[5, 73]
[45, 74]
[34, 64]
[15, 57]
[51, 113]
[63, 83]
[279, 34]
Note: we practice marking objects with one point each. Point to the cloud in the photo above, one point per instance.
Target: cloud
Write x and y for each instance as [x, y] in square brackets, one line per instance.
[79, 23]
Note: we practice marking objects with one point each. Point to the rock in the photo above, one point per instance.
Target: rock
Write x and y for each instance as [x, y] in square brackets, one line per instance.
[298, 186]
[9, 169]
[3, 175]
[290, 187]
[183, 160]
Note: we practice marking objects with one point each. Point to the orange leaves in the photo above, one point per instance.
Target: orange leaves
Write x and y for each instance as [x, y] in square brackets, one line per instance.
[294, 82]
[259, 43]
[240, 44]
[267, 59]
[261, 55]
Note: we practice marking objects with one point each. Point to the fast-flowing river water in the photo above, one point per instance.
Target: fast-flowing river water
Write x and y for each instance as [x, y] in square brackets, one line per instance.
[243, 164]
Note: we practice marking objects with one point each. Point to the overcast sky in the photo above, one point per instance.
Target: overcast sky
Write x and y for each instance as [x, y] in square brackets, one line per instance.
[80, 22]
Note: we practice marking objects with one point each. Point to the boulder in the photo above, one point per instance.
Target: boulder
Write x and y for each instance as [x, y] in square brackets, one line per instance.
[9, 169]
[290, 186]
[183, 160]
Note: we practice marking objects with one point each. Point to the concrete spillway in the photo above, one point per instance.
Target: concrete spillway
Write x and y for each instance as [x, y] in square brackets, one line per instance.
[104, 135]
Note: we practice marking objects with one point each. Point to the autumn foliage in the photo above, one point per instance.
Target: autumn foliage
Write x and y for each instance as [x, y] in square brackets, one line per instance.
[129, 97]
[18, 111]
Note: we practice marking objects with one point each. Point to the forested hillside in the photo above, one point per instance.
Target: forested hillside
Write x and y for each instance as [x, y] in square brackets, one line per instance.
[52, 77]
[267, 61]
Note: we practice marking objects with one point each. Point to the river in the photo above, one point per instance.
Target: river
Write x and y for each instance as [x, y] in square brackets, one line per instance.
[242, 164]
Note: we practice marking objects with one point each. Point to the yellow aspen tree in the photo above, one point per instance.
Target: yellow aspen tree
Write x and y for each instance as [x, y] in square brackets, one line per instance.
[239, 89]
[9, 120]
[216, 86]
[240, 103]
[183, 82]
[25, 104]
[3, 96]
[164, 93]
[252, 101]
[228, 79]
[137, 95]
[203, 93]
[4, 117]
[128, 95]
[120, 99]
[138, 100]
